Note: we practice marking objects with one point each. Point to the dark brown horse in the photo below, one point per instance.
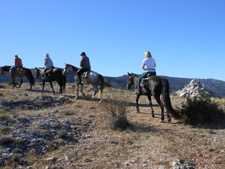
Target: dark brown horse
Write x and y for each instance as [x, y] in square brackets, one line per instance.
[155, 86]
[19, 73]
[54, 75]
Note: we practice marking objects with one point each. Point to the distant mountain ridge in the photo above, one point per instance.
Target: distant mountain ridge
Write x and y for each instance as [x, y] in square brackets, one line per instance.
[216, 86]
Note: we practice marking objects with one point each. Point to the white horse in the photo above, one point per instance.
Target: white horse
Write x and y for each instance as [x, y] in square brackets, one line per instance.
[92, 78]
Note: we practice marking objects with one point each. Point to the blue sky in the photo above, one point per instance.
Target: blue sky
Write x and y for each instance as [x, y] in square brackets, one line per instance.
[185, 37]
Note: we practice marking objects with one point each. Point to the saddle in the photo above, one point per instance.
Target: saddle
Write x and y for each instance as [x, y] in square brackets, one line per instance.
[144, 80]
[85, 74]
[49, 71]
[20, 70]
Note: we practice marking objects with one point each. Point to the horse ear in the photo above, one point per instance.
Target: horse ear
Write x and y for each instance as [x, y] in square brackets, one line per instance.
[128, 73]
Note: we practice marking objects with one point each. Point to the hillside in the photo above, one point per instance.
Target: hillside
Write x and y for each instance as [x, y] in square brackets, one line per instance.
[52, 131]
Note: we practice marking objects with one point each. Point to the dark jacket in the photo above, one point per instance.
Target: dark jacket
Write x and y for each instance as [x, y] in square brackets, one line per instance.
[85, 63]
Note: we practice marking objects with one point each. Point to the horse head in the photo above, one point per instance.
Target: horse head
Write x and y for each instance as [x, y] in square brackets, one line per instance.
[37, 73]
[4, 69]
[65, 70]
[130, 80]
[1, 71]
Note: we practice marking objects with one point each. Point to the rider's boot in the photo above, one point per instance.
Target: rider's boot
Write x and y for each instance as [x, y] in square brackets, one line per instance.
[138, 89]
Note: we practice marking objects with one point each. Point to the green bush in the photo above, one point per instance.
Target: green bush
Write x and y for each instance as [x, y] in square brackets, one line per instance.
[201, 111]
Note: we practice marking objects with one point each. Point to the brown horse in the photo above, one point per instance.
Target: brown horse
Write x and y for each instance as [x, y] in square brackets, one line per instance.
[19, 73]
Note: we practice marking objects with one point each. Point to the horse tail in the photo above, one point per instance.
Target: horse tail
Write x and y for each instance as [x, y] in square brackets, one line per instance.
[166, 99]
[30, 77]
[102, 85]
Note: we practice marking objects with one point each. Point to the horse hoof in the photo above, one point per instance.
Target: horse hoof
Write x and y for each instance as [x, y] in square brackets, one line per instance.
[75, 97]
[169, 120]
[162, 121]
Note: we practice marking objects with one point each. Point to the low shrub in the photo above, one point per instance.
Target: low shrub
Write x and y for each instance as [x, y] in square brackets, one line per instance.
[201, 111]
[4, 130]
[119, 122]
[63, 134]
[4, 141]
[116, 107]
[4, 115]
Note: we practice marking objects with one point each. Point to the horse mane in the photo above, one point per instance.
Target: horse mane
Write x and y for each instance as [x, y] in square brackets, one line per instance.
[73, 67]
[133, 74]
[6, 68]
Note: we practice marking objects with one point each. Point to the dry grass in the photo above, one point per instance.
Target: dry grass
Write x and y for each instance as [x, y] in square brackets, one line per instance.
[150, 145]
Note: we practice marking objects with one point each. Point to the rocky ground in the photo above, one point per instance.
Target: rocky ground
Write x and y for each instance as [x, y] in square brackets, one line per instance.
[52, 131]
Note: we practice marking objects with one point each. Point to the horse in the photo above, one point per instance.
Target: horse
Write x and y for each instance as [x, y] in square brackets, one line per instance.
[20, 73]
[54, 75]
[92, 78]
[155, 86]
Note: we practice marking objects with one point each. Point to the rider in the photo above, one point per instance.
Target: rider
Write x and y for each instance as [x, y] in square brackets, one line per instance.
[84, 65]
[18, 63]
[149, 65]
[48, 64]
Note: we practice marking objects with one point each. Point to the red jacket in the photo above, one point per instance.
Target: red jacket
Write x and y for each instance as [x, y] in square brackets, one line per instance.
[18, 62]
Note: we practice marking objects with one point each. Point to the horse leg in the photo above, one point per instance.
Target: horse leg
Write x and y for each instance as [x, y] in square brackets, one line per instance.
[168, 117]
[150, 104]
[64, 84]
[21, 81]
[77, 87]
[13, 83]
[60, 90]
[52, 86]
[81, 89]
[137, 106]
[95, 91]
[157, 98]
[43, 86]
[60, 87]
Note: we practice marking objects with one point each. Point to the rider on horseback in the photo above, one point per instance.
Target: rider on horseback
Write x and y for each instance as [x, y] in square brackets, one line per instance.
[84, 66]
[149, 65]
[18, 63]
[48, 65]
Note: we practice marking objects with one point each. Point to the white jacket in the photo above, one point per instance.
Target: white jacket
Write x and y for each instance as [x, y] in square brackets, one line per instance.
[48, 63]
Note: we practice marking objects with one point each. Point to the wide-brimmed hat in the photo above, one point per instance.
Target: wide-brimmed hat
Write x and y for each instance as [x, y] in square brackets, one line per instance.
[83, 53]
